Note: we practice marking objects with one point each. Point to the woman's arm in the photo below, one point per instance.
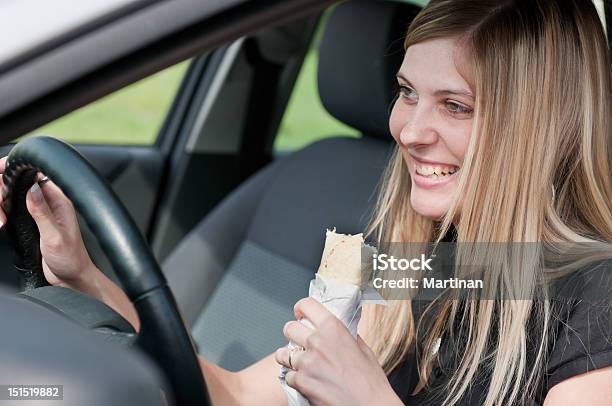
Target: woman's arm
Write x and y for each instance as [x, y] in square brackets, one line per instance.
[94, 283]
[593, 388]
[255, 385]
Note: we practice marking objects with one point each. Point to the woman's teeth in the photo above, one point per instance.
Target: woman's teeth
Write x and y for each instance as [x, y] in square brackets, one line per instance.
[435, 171]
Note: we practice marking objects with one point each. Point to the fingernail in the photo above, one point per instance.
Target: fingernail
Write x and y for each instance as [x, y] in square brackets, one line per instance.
[1, 224]
[37, 195]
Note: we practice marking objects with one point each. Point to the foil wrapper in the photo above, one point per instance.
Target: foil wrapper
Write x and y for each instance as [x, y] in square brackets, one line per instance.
[343, 300]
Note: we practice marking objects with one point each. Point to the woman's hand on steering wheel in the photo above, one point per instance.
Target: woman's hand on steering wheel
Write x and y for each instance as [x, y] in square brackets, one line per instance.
[335, 368]
[64, 256]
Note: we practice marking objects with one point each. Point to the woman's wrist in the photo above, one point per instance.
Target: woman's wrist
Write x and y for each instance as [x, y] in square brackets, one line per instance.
[88, 281]
[384, 395]
[94, 282]
[387, 397]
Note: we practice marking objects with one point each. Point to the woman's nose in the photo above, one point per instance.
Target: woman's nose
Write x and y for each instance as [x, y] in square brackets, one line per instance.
[419, 128]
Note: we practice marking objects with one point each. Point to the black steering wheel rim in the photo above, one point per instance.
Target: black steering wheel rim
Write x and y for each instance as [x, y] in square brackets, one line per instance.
[163, 334]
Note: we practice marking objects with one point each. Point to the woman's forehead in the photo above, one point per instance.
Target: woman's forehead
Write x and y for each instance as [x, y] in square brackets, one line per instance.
[435, 64]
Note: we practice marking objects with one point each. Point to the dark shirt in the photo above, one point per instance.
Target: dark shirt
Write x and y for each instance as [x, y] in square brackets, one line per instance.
[581, 341]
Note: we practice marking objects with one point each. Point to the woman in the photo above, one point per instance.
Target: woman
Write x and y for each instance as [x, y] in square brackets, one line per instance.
[502, 124]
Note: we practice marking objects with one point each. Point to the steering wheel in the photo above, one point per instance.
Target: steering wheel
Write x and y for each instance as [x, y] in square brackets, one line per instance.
[163, 334]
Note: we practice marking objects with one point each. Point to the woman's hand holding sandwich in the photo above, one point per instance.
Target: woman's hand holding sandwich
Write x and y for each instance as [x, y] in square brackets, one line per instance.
[334, 368]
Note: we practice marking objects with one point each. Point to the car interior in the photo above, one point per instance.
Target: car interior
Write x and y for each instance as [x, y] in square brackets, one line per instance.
[237, 274]
[237, 226]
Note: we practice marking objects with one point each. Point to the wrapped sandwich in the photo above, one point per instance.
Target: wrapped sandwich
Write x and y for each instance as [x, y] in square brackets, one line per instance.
[339, 284]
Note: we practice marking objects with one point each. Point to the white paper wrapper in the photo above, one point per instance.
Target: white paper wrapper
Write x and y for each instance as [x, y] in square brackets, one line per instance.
[344, 301]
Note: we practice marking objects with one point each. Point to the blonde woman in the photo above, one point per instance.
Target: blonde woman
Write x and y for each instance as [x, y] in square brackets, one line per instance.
[511, 101]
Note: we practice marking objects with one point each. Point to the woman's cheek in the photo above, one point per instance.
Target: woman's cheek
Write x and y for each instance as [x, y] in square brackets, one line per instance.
[456, 137]
[397, 120]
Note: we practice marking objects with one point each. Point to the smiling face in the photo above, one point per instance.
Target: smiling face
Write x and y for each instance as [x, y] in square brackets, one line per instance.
[431, 121]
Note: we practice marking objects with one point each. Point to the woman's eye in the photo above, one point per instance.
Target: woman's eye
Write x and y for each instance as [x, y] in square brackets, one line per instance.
[456, 108]
[407, 92]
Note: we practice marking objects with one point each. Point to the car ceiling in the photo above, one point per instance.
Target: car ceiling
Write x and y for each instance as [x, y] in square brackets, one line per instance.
[130, 47]
[49, 21]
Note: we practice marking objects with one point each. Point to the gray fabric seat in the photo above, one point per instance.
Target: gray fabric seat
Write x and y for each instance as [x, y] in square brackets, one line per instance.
[238, 274]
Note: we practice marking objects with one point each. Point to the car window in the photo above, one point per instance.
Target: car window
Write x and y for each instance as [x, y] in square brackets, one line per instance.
[132, 115]
[305, 119]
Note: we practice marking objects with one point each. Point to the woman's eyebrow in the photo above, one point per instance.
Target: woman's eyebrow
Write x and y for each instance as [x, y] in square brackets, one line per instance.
[399, 75]
[459, 92]
[441, 92]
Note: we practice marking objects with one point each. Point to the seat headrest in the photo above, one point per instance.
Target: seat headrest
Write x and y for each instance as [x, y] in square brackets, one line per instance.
[359, 55]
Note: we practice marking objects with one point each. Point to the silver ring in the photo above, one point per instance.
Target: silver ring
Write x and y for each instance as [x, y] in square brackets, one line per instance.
[43, 181]
[290, 354]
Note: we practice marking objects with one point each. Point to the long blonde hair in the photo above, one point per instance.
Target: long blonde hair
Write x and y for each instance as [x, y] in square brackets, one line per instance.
[541, 77]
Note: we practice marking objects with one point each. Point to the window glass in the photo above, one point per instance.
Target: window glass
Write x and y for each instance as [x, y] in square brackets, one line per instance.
[132, 115]
[305, 119]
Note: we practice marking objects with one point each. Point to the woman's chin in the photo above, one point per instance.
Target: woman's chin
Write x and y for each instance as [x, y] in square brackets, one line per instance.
[433, 207]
